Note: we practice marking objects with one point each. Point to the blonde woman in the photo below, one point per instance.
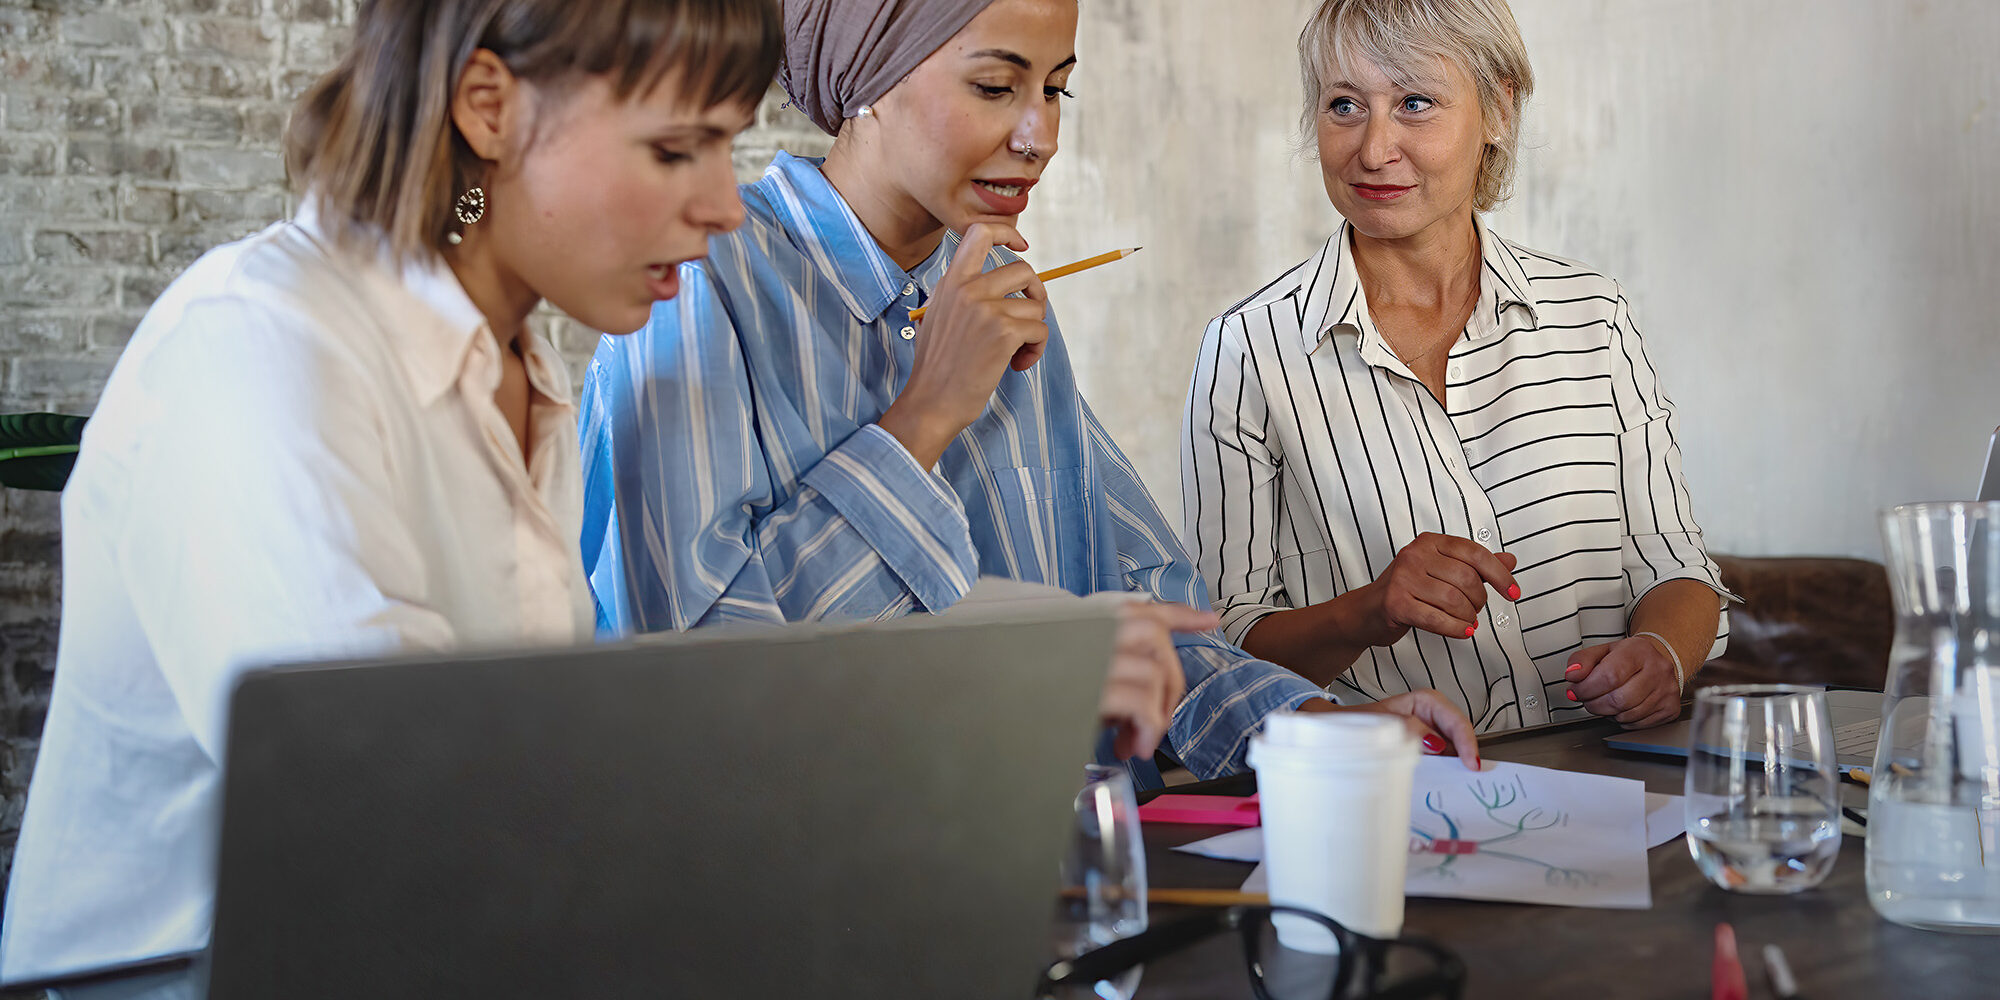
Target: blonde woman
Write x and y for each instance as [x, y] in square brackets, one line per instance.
[339, 437]
[1428, 457]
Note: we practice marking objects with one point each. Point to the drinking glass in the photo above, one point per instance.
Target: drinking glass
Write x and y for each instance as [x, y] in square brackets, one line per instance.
[1763, 794]
[1103, 875]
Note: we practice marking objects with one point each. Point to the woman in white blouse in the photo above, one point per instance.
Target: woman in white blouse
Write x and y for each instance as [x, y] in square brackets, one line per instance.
[339, 437]
[1428, 457]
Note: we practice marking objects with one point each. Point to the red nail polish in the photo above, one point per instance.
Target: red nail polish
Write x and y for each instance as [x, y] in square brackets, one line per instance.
[1432, 744]
[1571, 695]
[1514, 592]
[1574, 669]
[1469, 629]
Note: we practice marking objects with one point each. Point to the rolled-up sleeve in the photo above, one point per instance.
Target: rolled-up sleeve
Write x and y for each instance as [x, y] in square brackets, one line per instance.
[682, 525]
[1229, 482]
[1229, 692]
[1661, 540]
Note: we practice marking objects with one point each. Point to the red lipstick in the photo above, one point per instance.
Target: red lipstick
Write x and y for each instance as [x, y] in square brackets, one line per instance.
[1382, 192]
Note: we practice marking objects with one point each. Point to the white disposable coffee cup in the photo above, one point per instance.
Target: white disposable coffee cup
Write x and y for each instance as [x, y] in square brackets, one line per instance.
[1334, 791]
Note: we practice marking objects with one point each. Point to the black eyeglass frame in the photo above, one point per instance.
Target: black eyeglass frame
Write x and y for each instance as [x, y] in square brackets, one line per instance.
[1446, 979]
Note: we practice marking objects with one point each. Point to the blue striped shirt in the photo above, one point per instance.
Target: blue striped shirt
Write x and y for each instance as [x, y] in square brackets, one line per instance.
[733, 469]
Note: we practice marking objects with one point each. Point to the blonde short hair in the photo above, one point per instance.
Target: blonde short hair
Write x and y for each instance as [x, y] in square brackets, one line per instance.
[1402, 38]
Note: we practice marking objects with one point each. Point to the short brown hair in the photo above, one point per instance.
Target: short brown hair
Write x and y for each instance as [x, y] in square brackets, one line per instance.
[372, 142]
[1478, 35]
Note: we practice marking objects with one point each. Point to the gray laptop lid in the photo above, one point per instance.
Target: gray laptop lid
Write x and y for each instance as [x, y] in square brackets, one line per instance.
[1989, 478]
[801, 811]
[1855, 718]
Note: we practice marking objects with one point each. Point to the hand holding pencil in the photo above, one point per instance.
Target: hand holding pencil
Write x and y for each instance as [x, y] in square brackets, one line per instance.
[1061, 272]
[979, 331]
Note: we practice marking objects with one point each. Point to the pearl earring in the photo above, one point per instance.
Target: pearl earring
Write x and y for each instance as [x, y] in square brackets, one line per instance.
[867, 111]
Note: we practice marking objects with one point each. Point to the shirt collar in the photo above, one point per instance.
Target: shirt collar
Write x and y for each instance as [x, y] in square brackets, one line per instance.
[833, 238]
[436, 338]
[1334, 298]
[1498, 260]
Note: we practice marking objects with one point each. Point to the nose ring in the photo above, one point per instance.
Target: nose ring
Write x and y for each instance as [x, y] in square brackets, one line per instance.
[1027, 150]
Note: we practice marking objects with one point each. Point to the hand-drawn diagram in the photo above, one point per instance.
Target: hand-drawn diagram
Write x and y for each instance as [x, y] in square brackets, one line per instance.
[1511, 833]
[1514, 820]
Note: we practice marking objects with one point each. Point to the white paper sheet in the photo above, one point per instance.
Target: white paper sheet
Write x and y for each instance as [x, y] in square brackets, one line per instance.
[1666, 818]
[1515, 833]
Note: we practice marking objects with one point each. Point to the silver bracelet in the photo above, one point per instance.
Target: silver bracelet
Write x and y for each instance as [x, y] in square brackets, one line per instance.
[1680, 674]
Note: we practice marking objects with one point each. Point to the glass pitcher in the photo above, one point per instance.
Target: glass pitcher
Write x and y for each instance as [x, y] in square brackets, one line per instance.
[1934, 798]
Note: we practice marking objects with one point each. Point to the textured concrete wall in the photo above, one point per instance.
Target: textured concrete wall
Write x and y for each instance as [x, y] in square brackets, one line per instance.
[1800, 198]
[133, 137]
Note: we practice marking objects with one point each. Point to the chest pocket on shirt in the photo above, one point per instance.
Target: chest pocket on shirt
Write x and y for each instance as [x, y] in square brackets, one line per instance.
[1044, 514]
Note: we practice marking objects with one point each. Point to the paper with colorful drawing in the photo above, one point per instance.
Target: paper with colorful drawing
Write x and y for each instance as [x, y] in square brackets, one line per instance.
[1512, 833]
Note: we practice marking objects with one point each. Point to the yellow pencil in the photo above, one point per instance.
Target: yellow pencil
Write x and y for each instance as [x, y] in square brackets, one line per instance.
[1058, 272]
[1179, 897]
[1205, 897]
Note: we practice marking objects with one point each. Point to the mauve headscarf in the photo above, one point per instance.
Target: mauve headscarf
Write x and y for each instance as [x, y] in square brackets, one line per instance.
[842, 54]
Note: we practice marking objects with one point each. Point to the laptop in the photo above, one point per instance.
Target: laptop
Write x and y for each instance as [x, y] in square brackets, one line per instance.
[1989, 479]
[808, 810]
[1854, 716]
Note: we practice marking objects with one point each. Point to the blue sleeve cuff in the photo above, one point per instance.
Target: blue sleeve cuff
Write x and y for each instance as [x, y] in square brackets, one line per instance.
[1211, 729]
[912, 518]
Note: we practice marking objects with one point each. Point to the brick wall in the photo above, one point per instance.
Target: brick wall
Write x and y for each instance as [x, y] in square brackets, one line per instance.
[134, 136]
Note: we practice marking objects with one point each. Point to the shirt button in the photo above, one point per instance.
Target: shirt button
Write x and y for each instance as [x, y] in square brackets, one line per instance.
[909, 333]
[1501, 619]
[1456, 371]
[1531, 701]
[1484, 534]
[910, 287]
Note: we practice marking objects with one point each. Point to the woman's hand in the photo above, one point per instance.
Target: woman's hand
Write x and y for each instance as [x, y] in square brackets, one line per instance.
[1146, 684]
[1430, 716]
[1631, 680]
[972, 332]
[1436, 583]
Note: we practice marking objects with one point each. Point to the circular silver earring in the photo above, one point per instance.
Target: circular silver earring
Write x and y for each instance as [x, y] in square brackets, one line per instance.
[471, 207]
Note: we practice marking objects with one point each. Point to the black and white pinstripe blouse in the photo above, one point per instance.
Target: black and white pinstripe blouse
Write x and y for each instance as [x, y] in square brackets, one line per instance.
[1311, 455]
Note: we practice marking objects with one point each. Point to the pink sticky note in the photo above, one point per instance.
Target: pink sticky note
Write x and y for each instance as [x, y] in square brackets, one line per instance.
[1214, 810]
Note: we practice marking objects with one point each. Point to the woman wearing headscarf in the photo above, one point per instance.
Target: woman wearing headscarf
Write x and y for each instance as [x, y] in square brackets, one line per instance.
[1431, 457]
[784, 443]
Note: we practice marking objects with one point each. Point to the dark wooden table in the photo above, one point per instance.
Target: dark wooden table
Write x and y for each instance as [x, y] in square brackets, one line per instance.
[1834, 942]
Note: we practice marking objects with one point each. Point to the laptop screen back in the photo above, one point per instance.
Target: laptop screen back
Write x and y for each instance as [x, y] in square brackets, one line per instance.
[801, 811]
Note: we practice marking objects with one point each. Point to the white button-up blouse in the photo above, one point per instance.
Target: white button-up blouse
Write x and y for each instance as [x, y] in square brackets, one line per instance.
[298, 457]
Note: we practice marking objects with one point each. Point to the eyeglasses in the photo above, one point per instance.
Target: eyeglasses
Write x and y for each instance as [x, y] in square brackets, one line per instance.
[1290, 953]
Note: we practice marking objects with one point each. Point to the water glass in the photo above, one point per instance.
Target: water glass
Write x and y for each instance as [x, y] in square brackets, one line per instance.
[1103, 874]
[1763, 793]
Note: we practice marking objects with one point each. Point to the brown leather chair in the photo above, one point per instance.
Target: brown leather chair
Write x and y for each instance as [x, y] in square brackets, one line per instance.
[1805, 620]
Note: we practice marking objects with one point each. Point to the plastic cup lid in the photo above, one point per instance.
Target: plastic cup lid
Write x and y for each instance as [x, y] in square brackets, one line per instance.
[1345, 732]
